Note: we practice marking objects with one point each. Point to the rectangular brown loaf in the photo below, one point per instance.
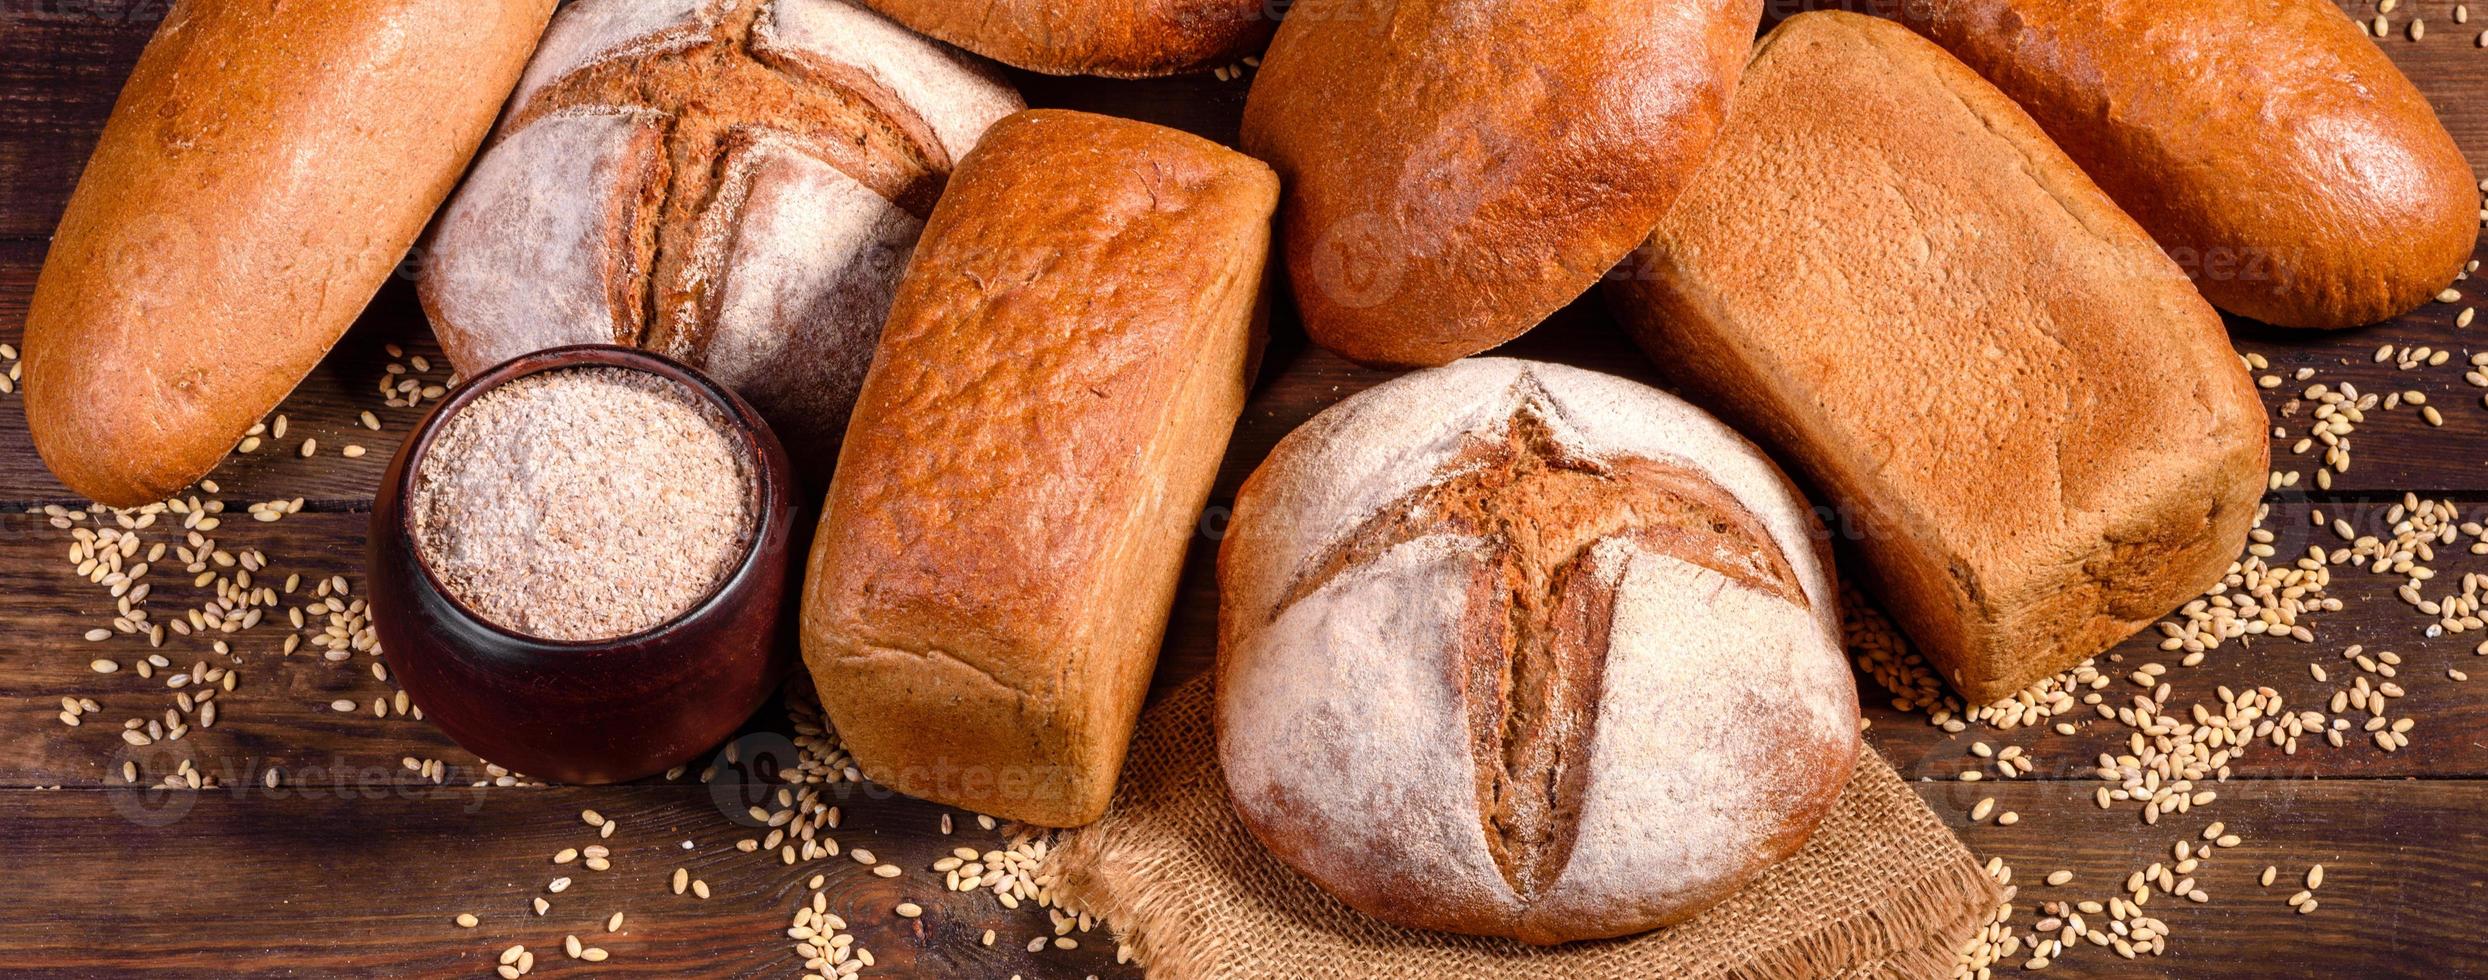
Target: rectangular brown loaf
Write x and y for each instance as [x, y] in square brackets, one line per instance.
[1064, 361]
[2033, 426]
[265, 169]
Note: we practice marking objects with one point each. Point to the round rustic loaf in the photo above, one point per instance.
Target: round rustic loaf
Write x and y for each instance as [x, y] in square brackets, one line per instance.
[1522, 650]
[1455, 172]
[733, 183]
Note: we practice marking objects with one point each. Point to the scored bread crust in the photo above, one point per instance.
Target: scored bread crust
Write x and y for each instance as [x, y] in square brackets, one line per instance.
[733, 183]
[1110, 38]
[1456, 171]
[1517, 649]
[998, 552]
[2270, 146]
[2032, 424]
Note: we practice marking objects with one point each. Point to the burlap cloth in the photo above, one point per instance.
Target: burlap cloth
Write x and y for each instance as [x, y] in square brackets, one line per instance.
[1883, 890]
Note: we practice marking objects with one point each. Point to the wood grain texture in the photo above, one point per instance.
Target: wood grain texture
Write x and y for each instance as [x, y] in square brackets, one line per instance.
[61, 66]
[356, 866]
[365, 877]
[2403, 863]
[258, 883]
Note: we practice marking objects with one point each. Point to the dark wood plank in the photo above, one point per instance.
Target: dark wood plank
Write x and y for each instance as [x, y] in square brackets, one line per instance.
[362, 876]
[277, 715]
[61, 66]
[2405, 875]
[2395, 449]
[2451, 715]
[253, 878]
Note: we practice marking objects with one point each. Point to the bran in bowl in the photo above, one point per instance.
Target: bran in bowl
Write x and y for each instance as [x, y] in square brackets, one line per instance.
[583, 504]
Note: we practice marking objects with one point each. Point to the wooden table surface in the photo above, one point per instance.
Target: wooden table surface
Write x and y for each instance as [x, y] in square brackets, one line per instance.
[356, 865]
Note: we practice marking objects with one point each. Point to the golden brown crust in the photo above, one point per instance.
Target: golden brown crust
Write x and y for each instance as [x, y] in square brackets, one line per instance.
[1067, 354]
[2269, 145]
[262, 173]
[1112, 38]
[2034, 423]
[1457, 171]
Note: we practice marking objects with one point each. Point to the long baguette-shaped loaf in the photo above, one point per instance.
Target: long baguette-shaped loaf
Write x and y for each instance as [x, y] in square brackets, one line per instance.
[1065, 358]
[2270, 145]
[2033, 427]
[266, 167]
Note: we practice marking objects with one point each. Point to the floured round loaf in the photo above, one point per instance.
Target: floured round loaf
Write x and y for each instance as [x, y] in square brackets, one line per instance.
[1516, 649]
[736, 184]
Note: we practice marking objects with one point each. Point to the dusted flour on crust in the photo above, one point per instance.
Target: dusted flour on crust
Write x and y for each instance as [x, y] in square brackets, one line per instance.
[1519, 649]
[736, 184]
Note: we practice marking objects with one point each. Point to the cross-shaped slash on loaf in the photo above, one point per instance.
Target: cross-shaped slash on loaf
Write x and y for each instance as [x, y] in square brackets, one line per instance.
[1532, 662]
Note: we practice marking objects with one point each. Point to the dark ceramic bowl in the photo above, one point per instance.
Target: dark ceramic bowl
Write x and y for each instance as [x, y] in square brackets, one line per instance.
[594, 712]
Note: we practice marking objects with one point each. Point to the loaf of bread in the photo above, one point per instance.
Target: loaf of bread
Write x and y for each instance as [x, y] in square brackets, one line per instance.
[1114, 38]
[2271, 147]
[2030, 422]
[264, 170]
[732, 183]
[1458, 170]
[1522, 650]
[1066, 357]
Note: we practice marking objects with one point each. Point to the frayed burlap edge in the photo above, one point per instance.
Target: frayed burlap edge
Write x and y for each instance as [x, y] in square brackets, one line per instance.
[1919, 935]
[1184, 886]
